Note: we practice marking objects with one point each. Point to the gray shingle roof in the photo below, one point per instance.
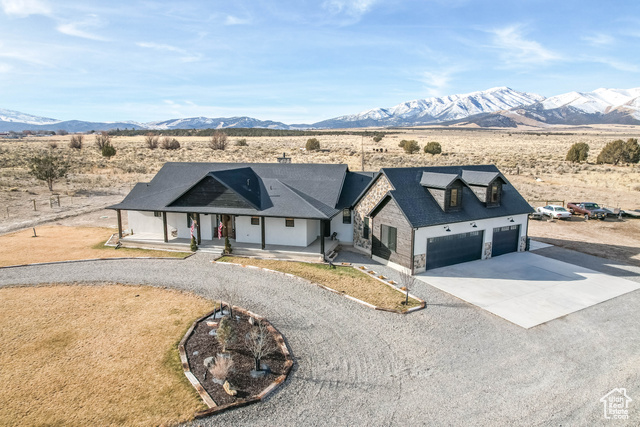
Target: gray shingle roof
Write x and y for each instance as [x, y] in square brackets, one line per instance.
[282, 190]
[422, 210]
[480, 178]
[437, 180]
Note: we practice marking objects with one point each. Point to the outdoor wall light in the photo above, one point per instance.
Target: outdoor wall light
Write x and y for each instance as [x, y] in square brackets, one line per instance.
[473, 224]
[446, 228]
[510, 219]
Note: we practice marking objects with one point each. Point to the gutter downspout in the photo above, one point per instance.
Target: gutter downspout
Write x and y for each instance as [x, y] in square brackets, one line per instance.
[413, 243]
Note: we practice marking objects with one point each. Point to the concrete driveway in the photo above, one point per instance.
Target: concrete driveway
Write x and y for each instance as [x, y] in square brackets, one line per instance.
[527, 289]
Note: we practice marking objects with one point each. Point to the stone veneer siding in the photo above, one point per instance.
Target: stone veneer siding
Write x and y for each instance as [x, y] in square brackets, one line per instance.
[362, 209]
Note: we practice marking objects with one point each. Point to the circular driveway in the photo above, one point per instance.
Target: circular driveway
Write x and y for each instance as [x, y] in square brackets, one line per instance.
[450, 364]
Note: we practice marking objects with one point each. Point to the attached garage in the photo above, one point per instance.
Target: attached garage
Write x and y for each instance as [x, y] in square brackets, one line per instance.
[454, 249]
[505, 240]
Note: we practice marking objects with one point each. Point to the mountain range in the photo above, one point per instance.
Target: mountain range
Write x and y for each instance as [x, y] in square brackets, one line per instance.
[496, 107]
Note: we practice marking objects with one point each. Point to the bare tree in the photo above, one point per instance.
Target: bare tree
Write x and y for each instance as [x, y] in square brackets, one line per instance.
[226, 333]
[102, 139]
[218, 141]
[230, 296]
[152, 141]
[168, 143]
[259, 343]
[407, 281]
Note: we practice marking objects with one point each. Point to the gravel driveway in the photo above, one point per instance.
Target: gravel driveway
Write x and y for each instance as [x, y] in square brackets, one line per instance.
[450, 364]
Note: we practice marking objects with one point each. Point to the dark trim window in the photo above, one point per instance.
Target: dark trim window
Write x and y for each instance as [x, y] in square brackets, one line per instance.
[189, 219]
[255, 220]
[365, 228]
[389, 237]
[454, 198]
[289, 222]
[346, 216]
[495, 193]
[157, 214]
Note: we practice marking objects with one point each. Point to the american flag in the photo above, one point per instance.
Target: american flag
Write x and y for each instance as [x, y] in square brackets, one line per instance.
[193, 226]
[220, 231]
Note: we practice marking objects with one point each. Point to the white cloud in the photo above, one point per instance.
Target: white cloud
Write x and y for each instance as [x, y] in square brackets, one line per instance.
[234, 20]
[4, 68]
[353, 8]
[24, 8]
[613, 63]
[185, 56]
[516, 51]
[79, 28]
[599, 39]
[437, 81]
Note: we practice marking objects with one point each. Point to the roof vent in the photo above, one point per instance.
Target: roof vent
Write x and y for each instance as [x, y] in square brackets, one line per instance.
[284, 158]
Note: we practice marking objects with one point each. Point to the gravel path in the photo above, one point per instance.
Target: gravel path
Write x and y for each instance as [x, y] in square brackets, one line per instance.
[450, 364]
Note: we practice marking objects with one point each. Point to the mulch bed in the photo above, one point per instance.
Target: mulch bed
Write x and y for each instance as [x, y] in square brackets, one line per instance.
[201, 345]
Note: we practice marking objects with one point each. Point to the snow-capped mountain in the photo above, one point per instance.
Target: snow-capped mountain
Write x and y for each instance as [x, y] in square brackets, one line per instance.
[218, 123]
[600, 101]
[437, 110]
[18, 117]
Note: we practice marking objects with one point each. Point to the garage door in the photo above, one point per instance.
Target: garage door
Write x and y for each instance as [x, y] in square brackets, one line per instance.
[505, 240]
[454, 249]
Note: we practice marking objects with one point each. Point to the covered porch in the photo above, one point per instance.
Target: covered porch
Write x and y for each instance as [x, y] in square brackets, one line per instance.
[312, 252]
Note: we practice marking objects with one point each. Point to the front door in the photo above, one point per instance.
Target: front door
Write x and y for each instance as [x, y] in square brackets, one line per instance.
[228, 226]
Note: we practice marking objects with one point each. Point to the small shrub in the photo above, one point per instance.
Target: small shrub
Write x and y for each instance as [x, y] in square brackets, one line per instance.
[578, 152]
[226, 333]
[411, 147]
[151, 141]
[378, 137]
[53, 144]
[102, 139]
[402, 143]
[433, 148]
[48, 168]
[227, 246]
[76, 142]
[312, 144]
[222, 367]
[169, 143]
[108, 150]
[218, 141]
[194, 245]
[241, 142]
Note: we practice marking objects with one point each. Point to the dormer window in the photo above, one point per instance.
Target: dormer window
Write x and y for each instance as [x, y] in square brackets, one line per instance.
[454, 198]
[495, 190]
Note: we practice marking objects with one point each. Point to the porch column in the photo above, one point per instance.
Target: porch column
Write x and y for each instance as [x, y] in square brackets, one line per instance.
[262, 230]
[198, 228]
[164, 226]
[119, 224]
[322, 238]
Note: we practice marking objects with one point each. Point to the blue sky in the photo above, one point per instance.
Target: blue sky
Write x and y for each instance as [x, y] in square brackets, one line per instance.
[301, 61]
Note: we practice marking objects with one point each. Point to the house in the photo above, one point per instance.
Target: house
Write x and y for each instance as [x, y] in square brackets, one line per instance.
[260, 204]
[411, 219]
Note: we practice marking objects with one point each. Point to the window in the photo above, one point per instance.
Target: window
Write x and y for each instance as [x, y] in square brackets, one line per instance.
[495, 193]
[288, 222]
[346, 216]
[365, 228]
[189, 218]
[389, 237]
[454, 198]
[255, 220]
[157, 214]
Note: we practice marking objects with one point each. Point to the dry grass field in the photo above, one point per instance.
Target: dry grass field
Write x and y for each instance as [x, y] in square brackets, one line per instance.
[58, 243]
[73, 365]
[342, 279]
[532, 159]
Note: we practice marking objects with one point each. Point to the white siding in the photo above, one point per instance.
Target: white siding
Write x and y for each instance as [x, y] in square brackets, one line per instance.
[486, 225]
[145, 223]
[313, 230]
[345, 231]
[277, 234]
[206, 229]
[247, 233]
[178, 221]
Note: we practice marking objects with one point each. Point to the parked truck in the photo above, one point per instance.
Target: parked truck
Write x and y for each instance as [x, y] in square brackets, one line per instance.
[589, 210]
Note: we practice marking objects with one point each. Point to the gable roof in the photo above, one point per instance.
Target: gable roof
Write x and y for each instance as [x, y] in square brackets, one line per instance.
[437, 179]
[270, 189]
[481, 178]
[422, 210]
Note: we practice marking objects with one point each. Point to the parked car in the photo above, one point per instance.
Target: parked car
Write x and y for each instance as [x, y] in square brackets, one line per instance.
[555, 211]
[589, 210]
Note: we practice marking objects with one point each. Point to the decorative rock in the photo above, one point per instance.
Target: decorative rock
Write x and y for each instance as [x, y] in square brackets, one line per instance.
[208, 362]
[212, 324]
[213, 333]
[227, 388]
[195, 353]
[252, 321]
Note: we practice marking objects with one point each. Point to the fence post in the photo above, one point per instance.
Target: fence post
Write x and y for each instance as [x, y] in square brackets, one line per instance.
[34, 204]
